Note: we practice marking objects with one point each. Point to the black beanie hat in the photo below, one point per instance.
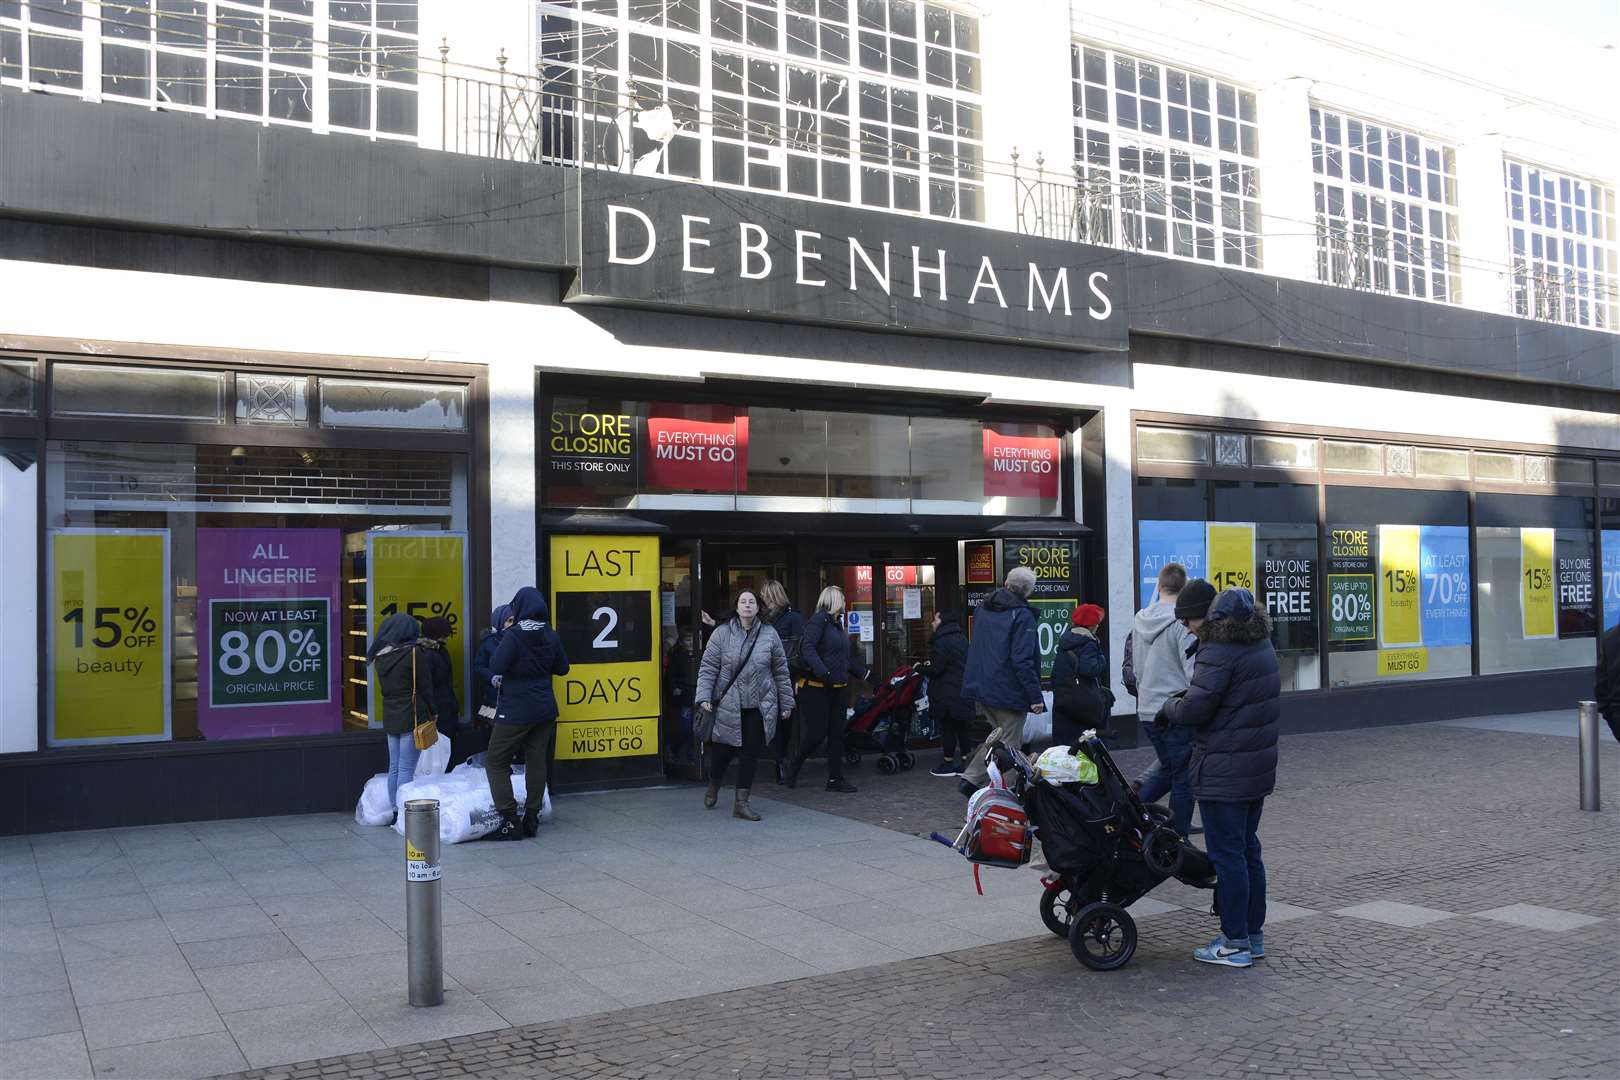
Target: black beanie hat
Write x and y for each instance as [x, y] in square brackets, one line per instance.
[1194, 601]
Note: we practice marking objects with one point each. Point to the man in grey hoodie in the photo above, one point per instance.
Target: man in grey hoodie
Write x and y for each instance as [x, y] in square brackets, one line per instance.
[1160, 659]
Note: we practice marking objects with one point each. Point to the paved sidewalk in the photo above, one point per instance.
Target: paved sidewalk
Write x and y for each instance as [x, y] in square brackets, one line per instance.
[198, 949]
[1439, 908]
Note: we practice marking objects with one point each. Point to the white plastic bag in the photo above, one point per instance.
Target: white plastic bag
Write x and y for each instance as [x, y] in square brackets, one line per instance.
[435, 759]
[466, 807]
[373, 808]
[1038, 726]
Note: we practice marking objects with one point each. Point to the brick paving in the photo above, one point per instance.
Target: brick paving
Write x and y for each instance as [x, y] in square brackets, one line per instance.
[1465, 822]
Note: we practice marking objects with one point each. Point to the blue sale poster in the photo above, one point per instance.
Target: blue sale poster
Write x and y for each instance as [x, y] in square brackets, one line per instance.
[1611, 577]
[1446, 585]
[1167, 542]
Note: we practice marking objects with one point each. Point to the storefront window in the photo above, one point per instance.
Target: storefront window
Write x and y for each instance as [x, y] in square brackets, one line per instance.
[1538, 582]
[211, 592]
[350, 403]
[1397, 585]
[1609, 511]
[658, 455]
[16, 387]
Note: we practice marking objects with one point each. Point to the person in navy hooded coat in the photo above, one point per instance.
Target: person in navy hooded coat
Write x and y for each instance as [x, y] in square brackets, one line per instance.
[529, 654]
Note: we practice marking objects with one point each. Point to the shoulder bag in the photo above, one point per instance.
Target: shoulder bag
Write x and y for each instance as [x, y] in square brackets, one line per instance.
[703, 720]
[425, 732]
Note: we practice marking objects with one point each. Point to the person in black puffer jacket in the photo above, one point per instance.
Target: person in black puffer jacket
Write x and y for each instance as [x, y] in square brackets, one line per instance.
[946, 661]
[1232, 709]
[528, 656]
[789, 626]
[823, 700]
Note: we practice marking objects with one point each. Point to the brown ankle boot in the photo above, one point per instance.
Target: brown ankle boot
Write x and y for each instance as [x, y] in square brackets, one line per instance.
[711, 796]
[741, 809]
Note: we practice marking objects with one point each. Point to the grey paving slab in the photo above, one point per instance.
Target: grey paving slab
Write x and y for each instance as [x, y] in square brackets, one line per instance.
[859, 914]
[247, 949]
[324, 941]
[478, 936]
[123, 978]
[34, 973]
[48, 1057]
[482, 971]
[27, 940]
[1395, 914]
[838, 950]
[557, 1001]
[600, 949]
[301, 909]
[207, 924]
[300, 1032]
[805, 895]
[397, 1022]
[282, 881]
[150, 1019]
[537, 926]
[172, 1059]
[264, 984]
[698, 942]
[643, 917]
[185, 872]
[770, 922]
[25, 911]
[504, 899]
[369, 974]
[711, 897]
[138, 937]
[28, 1016]
[925, 937]
[1278, 912]
[590, 896]
[1538, 918]
[100, 909]
[21, 884]
[1556, 722]
[647, 981]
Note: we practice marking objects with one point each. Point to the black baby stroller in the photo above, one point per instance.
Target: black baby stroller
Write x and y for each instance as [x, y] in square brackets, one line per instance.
[1106, 850]
[1105, 847]
[882, 724]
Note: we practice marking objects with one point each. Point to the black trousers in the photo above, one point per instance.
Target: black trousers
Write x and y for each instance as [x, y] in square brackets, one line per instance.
[506, 742]
[821, 717]
[954, 733]
[753, 741]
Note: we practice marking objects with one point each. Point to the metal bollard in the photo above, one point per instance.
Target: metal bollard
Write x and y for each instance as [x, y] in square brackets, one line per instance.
[1591, 797]
[424, 919]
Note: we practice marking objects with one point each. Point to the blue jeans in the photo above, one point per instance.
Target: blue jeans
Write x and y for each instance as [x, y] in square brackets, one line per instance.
[1231, 833]
[1174, 747]
[402, 755]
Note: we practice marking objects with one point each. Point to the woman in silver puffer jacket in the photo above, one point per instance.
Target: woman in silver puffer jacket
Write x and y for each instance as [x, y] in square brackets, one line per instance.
[743, 684]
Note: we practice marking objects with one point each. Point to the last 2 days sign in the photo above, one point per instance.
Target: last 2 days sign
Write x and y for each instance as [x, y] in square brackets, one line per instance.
[605, 608]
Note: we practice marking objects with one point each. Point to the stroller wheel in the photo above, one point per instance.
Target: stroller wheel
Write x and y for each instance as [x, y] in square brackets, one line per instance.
[1057, 906]
[852, 757]
[1160, 813]
[907, 760]
[1162, 852]
[1102, 936]
[887, 765]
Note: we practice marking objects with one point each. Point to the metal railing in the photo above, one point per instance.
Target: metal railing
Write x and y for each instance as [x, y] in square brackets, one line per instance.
[1081, 208]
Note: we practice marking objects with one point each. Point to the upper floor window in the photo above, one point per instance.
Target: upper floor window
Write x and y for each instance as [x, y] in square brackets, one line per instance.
[874, 102]
[1562, 232]
[246, 58]
[1386, 199]
[1167, 158]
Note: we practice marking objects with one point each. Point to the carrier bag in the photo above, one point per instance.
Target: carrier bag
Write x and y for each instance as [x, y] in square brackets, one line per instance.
[466, 807]
[1059, 765]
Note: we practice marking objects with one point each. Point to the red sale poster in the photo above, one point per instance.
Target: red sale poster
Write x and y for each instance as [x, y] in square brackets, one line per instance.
[1023, 465]
[696, 448]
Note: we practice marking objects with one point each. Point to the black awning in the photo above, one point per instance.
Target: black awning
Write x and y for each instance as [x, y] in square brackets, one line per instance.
[575, 521]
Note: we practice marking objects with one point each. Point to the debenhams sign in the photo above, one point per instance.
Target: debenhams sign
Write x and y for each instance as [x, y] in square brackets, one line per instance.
[696, 248]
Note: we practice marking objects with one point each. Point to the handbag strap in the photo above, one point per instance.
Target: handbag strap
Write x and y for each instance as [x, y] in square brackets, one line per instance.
[413, 686]
[751, 640]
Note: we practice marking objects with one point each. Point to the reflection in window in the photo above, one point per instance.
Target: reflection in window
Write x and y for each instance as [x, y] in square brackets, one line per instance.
[1386, 200]
[1168, 158]
[417, 406]
[1562, 230]
[96, 390]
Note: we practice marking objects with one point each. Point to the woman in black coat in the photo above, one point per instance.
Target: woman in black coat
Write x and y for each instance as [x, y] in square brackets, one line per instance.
[1080, 697]
[947, 658]
[529, 655]
[405, 682]
[825, 649]
[1232, 708]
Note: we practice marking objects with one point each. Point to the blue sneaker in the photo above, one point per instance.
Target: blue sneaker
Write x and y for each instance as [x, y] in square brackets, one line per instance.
[1257, 945]
[1225, 953]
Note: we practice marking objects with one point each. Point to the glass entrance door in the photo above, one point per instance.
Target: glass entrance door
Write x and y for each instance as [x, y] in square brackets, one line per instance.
[889, 610]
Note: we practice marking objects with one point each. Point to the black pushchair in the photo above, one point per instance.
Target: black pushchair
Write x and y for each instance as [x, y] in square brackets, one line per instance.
[1106, 850]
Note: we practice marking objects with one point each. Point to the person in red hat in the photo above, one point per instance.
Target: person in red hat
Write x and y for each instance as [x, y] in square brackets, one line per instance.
[1081, 698]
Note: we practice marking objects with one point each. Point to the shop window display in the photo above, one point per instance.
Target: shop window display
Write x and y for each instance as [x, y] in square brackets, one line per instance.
[211, 592]
[1539, 582]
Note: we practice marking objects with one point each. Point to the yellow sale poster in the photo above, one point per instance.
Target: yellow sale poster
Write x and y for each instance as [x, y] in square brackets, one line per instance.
[422, 574]
[1537, 602]
[605, 607]
[1400, 607]
[1230, 550]
[109, 642]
